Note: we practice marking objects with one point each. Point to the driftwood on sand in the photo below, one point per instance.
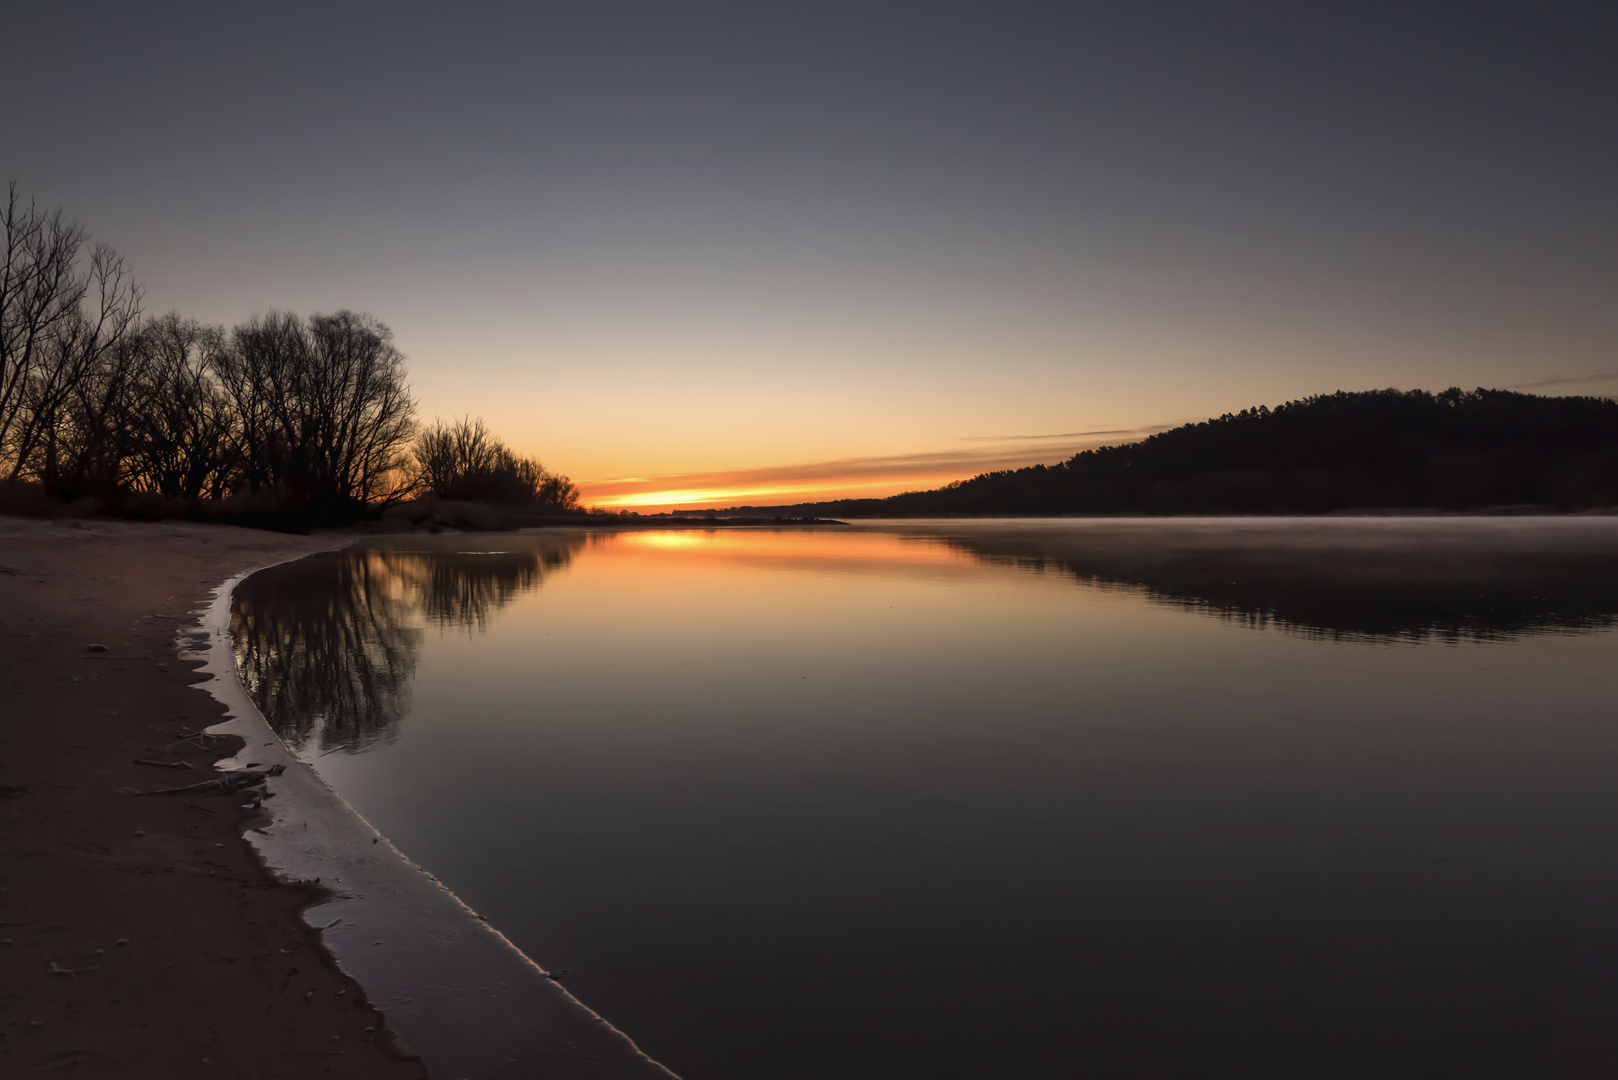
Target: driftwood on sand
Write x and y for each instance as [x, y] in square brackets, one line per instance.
[231, 781]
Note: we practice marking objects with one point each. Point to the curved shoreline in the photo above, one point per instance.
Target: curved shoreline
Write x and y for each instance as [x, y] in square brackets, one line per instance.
[453, 989]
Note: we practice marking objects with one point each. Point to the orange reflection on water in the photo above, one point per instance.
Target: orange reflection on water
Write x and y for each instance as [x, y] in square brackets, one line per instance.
[666, 541]
[809, 546]
[789, 562]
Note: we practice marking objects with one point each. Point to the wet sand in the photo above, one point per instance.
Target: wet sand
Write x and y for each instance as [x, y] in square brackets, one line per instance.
[217, 977]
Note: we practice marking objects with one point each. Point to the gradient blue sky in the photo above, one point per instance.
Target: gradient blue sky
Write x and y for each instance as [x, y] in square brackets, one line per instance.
[770, 251]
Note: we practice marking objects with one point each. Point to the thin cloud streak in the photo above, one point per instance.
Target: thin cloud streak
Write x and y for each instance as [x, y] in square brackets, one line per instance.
[1569, 380]
[1068, 434]
[817, 480]
[893, 465]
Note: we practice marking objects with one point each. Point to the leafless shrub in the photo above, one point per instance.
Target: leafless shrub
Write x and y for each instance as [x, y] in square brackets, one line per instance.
[460, 460]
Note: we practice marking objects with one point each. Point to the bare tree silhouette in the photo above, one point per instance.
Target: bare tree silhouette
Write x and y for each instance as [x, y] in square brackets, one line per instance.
[320, 410]
[182, 434]
[461, 460]
[65, 313]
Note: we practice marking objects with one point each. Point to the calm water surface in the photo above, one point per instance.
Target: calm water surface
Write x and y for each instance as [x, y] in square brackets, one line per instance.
[996, 799]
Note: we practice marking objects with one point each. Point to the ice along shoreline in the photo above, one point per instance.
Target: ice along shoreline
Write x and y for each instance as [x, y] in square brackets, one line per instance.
[452, 988]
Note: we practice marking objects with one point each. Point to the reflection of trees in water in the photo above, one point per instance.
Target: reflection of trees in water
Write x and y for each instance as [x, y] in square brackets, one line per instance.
[326, 646]
[465, 588]
[1333, 584]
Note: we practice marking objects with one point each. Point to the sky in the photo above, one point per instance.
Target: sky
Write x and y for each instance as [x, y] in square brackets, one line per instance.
[699, 254]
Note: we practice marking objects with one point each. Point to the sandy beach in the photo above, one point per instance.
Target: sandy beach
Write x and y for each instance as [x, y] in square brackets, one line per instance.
[140, 937]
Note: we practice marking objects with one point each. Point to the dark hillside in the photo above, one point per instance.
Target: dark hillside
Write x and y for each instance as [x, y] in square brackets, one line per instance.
[1379, 449]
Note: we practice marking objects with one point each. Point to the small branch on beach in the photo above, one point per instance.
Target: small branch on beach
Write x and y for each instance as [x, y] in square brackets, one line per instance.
[163, 764]
[203, 737]
[235, 781]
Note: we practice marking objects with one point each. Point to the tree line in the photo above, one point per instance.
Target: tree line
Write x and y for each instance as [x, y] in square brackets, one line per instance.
[288, 414]
[1455, 450]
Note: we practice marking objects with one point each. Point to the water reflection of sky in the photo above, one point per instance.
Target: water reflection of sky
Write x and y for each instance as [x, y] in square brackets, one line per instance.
[991, 799]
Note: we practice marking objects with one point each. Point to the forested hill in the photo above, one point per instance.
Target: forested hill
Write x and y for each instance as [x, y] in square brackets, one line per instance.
[1377, 449]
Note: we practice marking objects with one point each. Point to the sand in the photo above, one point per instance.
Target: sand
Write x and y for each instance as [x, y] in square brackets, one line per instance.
[216, 975]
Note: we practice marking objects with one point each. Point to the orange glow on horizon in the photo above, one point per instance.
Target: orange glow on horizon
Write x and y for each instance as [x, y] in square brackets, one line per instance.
[668, 498]
[871, 477]
[702, 497]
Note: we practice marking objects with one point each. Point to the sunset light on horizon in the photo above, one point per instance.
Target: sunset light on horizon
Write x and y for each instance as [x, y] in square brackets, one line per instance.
[728, 251]
[809, 539]
[847, 478]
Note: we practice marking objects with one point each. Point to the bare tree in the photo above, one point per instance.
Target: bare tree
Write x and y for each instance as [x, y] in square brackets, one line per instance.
[320, 410]
[451, 457]
[62, 320]
[180, 421]
[556, 490]
[251, 370]
[87, 438]
[39, 291]
[461, 460]
[76, 373]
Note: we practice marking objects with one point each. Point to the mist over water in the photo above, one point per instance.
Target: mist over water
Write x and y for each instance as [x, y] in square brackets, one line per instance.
[1324, 797]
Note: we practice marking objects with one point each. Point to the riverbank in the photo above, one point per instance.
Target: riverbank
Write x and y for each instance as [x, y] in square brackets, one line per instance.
[142, 936]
